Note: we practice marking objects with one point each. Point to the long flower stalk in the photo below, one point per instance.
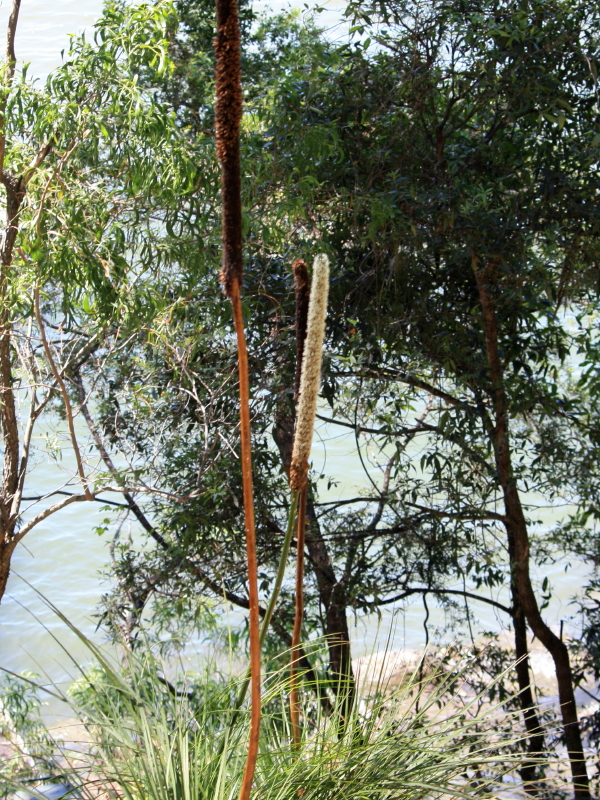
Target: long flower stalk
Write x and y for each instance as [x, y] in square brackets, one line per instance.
[302, 298]
[298, 618]
[228, 114]
[310, 333]
[266, 621]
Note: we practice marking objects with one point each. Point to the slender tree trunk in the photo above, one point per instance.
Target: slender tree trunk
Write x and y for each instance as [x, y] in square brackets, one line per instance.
[519, 544]
[8, 415]
[530, 770]
[15, 187]
[334, 598]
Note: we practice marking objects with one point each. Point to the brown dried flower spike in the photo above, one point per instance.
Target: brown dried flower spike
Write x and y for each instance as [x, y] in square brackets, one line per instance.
[302, 291]
[228, 114]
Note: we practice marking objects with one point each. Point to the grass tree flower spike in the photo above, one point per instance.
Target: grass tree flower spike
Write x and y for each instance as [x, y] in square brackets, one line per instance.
[228, 114]
[311, 373]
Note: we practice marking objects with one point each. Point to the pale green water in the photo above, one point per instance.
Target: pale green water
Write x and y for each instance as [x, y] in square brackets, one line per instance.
[63, 556]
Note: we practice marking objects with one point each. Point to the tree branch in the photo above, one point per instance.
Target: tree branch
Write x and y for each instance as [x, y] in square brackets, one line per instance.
[10, 61]
[72, 494]
[35, 163]
[74, 498]
[65, 396]
[10, 57]
[418, 383]
[131, 503]
[457, 515]
[425, 590]
[366, 429]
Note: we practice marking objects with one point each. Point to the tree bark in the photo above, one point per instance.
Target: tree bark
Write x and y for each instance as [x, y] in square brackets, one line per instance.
[518, 536]
[15, 186]
[6, 551]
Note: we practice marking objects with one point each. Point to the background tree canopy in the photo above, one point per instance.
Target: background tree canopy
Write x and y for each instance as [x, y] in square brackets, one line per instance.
[445, 157]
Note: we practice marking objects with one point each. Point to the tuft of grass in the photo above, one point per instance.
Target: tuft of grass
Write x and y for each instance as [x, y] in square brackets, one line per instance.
[148, 739]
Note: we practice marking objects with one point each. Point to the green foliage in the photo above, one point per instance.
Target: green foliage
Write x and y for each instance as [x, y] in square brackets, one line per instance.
[21, 725]
[118, 172]
[406, 162]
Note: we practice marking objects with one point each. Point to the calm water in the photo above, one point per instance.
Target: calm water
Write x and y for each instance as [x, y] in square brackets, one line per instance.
[63, 557]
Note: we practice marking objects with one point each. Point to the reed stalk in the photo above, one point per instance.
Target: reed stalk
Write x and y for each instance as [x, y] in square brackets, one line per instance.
[266, 621]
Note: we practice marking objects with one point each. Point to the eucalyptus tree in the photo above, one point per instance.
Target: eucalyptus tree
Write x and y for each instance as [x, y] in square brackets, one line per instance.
[89, 163]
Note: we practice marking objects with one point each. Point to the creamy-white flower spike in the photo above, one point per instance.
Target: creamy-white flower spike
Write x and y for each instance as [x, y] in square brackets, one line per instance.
[311, 373]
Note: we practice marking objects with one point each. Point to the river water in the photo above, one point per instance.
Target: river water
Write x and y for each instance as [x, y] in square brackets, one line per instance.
[63, 557]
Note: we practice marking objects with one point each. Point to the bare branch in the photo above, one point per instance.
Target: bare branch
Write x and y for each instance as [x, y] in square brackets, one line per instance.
[421, 427]
[131, 503]
[72, 494]
[384, 494]
[71, 498]
[435, 512]
[34, 412]
[47, 512]
[426, 590]
[10, 58]
[375, 431]
[418, 383]
[65, 396]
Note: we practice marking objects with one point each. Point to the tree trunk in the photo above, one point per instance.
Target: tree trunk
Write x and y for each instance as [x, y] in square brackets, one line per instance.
[16, 187]
[8, 415]
[6, 550]
[518, 535]
[530, 770]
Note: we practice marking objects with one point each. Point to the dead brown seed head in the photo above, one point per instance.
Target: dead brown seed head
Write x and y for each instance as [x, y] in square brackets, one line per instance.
[301, 290]
[228, 115]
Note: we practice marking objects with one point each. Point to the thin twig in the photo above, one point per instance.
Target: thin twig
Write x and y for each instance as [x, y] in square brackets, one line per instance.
[429, 590]
[74, 498]
[36, 161]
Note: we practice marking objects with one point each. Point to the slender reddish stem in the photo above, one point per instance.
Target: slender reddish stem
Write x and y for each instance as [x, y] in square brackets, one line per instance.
[297, 632]
[250, 540]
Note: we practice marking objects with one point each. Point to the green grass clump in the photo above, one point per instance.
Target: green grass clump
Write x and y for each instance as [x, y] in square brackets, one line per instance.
[148, 739]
